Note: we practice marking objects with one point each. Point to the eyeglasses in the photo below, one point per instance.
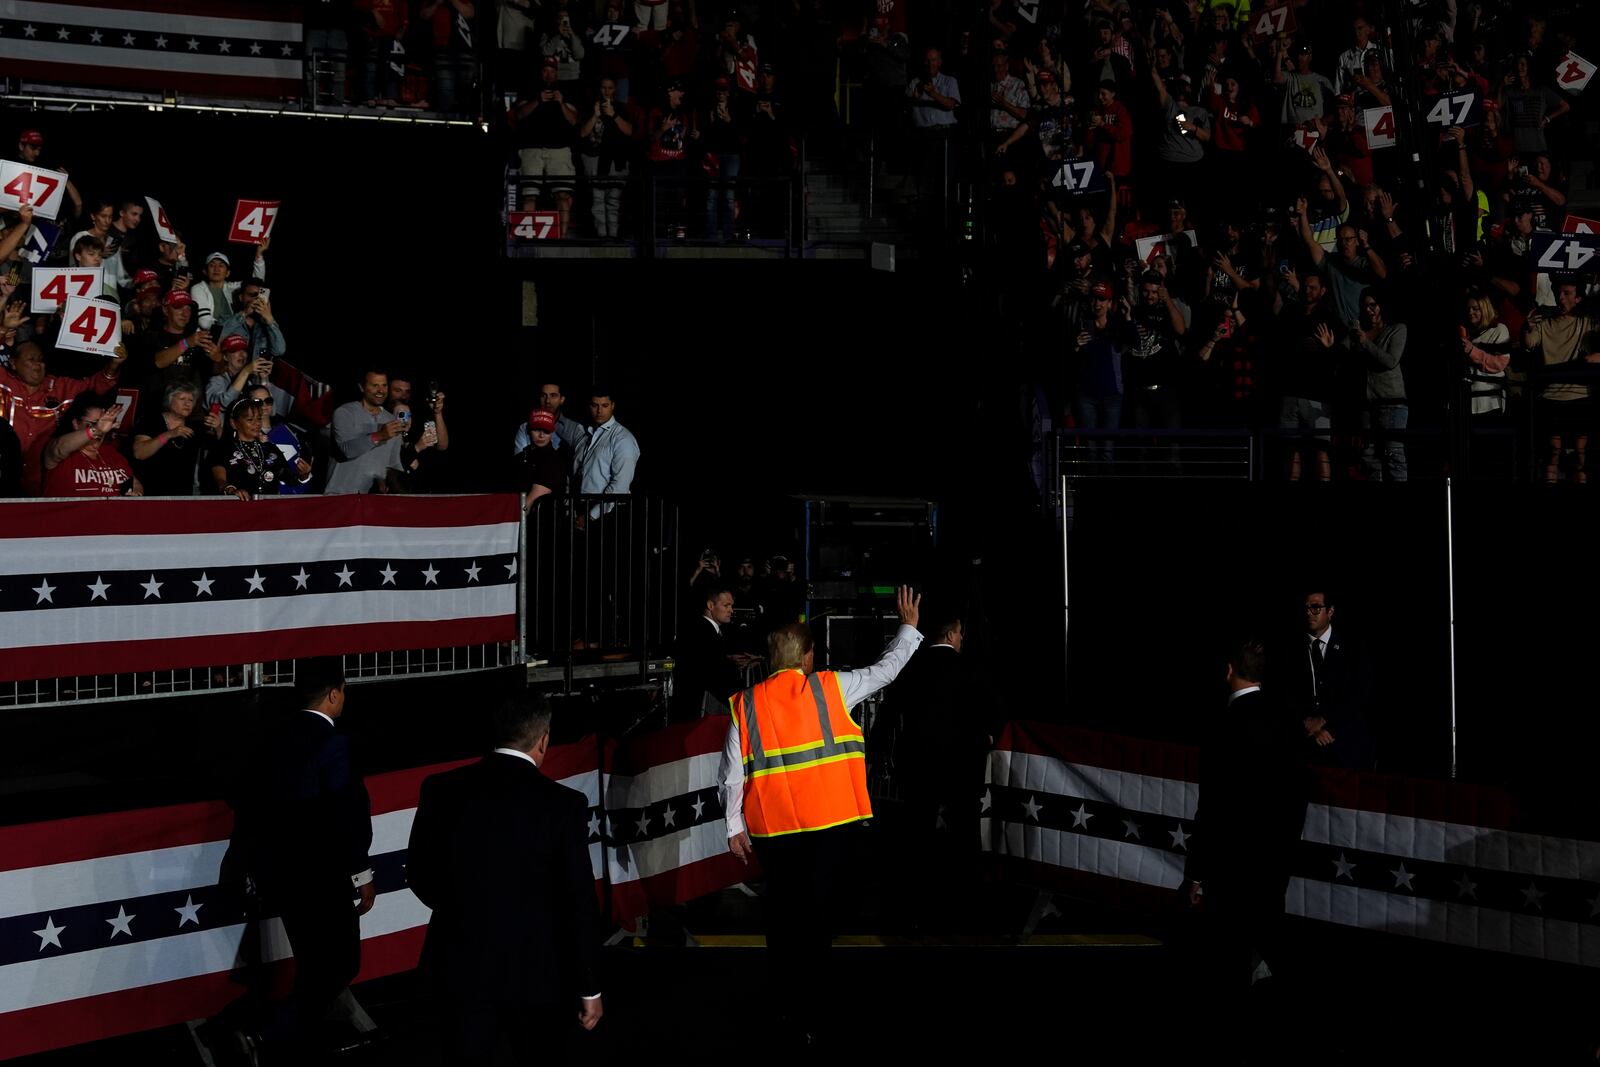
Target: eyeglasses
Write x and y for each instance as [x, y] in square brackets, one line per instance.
[1316, 609]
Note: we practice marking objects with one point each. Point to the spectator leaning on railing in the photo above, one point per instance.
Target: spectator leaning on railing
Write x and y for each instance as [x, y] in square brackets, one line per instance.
[246, 464]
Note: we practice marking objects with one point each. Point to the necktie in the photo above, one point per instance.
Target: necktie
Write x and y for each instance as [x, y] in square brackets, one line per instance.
[1316, 666]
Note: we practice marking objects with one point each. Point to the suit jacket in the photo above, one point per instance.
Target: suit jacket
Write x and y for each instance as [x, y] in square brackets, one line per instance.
[501, 855]
[1344, 697]
[1253, 793]
[702, 666]
[305, 819]
[938, 717]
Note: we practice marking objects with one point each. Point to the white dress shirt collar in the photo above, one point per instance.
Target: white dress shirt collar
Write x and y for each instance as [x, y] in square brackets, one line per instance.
[517, 752]
[1237, 693]
[714, 624]
[325, 718]
[1326, 639]
[944, 644]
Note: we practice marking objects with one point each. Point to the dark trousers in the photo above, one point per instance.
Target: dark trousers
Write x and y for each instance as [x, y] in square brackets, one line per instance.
[801, 871]
[473, 1030]
[325, 934]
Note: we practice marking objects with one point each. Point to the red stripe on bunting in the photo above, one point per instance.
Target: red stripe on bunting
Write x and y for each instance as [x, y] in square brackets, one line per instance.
[93, 836]
[177, 653]
[679, 885]
[150, 79]
[676, 742]
[124, 515]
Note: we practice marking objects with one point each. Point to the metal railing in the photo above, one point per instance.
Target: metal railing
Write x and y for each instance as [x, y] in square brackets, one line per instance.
[600, 580]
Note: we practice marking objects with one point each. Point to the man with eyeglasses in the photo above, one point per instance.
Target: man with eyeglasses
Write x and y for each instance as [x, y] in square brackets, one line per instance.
[1331, 682]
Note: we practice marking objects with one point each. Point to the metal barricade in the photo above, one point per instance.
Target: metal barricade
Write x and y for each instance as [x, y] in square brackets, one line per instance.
[600, 579]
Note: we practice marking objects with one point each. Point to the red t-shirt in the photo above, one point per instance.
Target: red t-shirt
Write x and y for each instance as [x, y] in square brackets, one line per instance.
[894, 11]
[1231, 135]
[1114, 139]
[83, 475]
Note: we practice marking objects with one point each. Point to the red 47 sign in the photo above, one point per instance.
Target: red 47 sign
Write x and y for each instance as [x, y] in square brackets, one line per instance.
[535, 225]
[88, 325]
[252, 221]
[53, 285]
[1270, 21]
[1573, 73]
[22, 185]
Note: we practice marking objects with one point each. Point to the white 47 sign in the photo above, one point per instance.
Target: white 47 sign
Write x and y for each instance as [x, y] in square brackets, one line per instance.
[1455, 109]
[53, 285]
[252, 221]
[1271, 21]
[535, 225]
[1574, 73]
[22, 185]
[1569, 252]
[1078, 176]
[89, 325]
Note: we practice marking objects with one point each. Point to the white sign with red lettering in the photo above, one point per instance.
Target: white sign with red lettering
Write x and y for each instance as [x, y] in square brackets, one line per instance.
[89, 325]
[252, 221]
[1579, 224]
[158, 216]
[1574, 72]
[22, 185]
[1306, 137]
[535, 225]
[53, 285]
[1379, 122]
[1147, 248]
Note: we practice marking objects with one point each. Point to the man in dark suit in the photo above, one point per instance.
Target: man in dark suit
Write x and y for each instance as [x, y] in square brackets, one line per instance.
[705, 671]
[1252, 808]
[307, 827]
[938, 730]
[501, 855]
[1331, 682]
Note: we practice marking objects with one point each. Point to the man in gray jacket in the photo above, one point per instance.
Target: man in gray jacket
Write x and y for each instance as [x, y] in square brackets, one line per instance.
[1380, 347]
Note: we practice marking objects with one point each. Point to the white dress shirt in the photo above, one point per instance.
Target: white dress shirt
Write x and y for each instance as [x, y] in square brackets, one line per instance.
[854, 687]
[1237, 693]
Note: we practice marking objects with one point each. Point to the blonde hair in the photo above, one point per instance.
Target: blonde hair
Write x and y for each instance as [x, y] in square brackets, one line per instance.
[787, 646]
[1485, 308]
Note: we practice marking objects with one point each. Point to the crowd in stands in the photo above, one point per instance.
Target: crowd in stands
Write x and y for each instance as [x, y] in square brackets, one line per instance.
[197, 395]
[1208, 214]
[1215, 222]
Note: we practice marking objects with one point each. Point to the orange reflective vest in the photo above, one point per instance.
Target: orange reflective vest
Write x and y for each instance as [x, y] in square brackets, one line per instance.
[805, 761]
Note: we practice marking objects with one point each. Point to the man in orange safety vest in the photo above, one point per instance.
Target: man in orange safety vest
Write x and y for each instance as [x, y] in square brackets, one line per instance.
[794, 781]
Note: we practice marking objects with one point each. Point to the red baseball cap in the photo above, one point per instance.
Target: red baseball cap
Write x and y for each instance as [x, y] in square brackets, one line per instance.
[721, 82]
[234, 342]
[1345, 100]
[1045, 77]
[177, 299]
[551, 61]
[1101, 290]
[33, 137]
[145, 277]
[540, 419]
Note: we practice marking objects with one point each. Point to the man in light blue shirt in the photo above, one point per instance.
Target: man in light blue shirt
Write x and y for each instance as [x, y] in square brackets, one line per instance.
[605, 456]
[934, 96]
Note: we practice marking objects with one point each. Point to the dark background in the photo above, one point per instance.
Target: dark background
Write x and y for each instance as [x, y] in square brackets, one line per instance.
[752, 385]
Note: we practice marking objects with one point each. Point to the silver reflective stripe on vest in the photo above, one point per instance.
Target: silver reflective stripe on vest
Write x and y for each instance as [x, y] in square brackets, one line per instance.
[829, 748]
[749, 722]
